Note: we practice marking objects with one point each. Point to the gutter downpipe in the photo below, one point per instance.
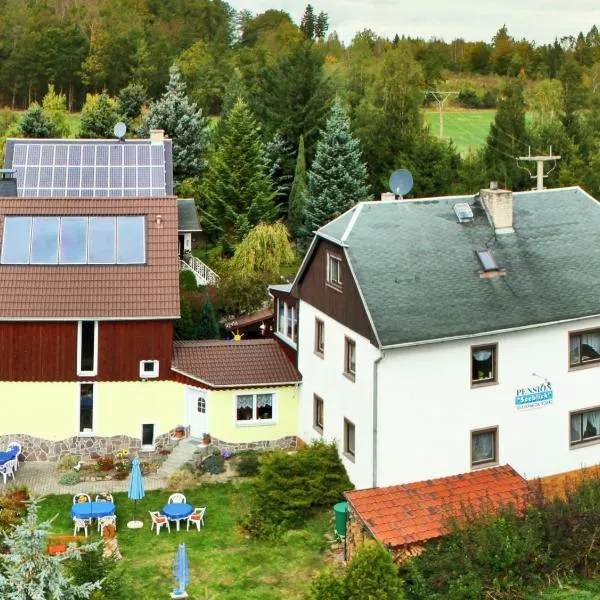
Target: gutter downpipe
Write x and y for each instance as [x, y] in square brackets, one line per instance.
[375, 414]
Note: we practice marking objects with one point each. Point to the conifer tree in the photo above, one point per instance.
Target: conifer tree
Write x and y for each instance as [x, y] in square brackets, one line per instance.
[279, 157]
[237, 191]
[35, 124]
[298, 193]
[183, 122]
[308, 23]
[206, 322]
[337, 179]
[98, 117]
[54, 107]
[28, 572]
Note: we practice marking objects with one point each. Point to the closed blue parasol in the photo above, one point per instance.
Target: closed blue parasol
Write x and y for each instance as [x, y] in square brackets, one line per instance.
[136, 490]
[181, 571]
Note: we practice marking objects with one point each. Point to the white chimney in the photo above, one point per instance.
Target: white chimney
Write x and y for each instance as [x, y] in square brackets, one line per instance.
[388, 196]
[157, 136]
[498, 205]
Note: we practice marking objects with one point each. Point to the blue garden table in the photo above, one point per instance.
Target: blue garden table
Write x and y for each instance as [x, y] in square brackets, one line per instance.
[177, 511]
[92, 510]
[5, 457]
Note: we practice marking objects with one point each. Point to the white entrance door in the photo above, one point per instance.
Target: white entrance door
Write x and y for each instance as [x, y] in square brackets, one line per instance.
[196, 409]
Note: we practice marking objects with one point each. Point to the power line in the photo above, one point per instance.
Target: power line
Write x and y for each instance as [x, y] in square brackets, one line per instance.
[440, 98]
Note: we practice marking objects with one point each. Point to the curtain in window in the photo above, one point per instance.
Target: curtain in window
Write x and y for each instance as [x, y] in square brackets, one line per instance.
[576, 428]
[482, 355]
[483, 447]
[590, 346]
[264, 406]
[574, 357]
[245, 407]
[483, 364]
[591, 424]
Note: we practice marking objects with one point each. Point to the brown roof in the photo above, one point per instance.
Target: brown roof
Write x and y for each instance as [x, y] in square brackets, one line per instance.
[416, 512]
[222, 363]
[96, 291]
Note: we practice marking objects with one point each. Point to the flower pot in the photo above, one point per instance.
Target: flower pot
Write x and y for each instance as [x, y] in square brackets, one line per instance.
[179, 434]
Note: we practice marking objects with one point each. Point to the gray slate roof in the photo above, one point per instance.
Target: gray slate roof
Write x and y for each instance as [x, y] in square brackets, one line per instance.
[187, 215]
[419, 274]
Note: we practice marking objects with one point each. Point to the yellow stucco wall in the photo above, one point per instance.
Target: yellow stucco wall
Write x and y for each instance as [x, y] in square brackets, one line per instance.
[50, 410]
[221, 416]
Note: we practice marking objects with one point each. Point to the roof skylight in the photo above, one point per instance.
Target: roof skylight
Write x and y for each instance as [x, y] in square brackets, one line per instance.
[488, 262]
[463, 212]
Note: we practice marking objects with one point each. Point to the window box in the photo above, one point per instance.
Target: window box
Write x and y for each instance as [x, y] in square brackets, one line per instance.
[254, 409]
[484, 447]
[585, 427]
[484, 365]
[584, 348]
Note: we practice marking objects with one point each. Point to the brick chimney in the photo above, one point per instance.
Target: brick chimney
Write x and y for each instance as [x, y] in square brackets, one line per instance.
[157, 136]
[8, 183]
[498, 205]
[388, 196]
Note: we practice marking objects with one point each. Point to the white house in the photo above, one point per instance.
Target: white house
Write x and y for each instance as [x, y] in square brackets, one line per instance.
[444, 335]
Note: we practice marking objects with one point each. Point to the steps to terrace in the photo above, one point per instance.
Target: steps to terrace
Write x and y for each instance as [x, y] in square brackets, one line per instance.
[203, 273]
[182, 453]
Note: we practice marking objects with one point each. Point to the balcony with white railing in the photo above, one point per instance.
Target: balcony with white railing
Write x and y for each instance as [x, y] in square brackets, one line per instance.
[203, 273]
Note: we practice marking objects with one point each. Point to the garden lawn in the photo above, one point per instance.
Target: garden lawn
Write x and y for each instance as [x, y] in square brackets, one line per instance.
[468, 129]
[588, 590]
[223, 563]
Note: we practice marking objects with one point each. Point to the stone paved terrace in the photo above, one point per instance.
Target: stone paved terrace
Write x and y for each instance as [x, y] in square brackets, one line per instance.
[42, 478]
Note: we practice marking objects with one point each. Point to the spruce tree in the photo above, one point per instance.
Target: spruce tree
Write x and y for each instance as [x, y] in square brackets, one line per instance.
[308, 23]
[279, 157]
[337, 179]
[98, 117]
[237, 190]
[183, 122]
[54, 107]
[28, 572]
[298, 193]
[207, 326]
[35, 124]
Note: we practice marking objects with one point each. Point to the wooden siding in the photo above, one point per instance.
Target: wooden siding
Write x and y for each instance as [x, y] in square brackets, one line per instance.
[47, 351]
[345, 305]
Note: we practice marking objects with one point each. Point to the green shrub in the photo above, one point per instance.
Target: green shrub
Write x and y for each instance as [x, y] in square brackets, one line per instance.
[247, 464]
[290, 486]
[94, 566]
[66, 462]
[214, 464]
[187, 281]
[70, 478]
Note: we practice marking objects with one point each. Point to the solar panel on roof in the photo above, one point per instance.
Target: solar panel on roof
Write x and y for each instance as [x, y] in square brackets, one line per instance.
[89, 169]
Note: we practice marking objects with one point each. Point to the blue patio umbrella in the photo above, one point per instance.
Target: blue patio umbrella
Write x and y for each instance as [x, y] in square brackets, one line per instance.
[136, 490]
[180, 570]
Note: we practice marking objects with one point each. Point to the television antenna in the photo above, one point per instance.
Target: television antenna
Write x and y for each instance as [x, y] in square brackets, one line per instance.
[120, 130]
[401, 182]
[441, 98]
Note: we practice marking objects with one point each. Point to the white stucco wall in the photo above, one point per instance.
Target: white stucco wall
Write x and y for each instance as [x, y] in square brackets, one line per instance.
[342, 397]
[427, 407]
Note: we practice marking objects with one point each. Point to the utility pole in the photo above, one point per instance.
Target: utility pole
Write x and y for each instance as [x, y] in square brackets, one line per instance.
[540, 160]
[440, 98]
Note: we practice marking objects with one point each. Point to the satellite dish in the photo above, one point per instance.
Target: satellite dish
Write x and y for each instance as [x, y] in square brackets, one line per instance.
[401, 182]
[120, 130]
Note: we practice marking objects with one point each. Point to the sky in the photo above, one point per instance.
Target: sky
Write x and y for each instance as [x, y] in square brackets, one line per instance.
[536, 20]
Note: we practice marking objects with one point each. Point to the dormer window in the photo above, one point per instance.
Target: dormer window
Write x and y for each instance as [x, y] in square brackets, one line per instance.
[334, 270]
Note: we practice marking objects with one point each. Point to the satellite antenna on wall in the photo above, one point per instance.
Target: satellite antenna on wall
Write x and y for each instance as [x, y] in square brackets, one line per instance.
[120, 130]
[401, 182]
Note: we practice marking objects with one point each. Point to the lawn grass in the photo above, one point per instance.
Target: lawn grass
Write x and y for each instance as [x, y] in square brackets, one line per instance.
[468, 129]
[223, 563]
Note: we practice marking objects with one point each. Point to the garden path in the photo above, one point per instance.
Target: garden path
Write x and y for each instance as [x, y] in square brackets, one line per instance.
[42, 478]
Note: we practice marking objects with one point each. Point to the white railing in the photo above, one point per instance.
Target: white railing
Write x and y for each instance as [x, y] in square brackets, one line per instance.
[204, 274]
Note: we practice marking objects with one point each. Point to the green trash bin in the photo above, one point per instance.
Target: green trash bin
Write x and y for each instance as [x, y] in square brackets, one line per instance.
[341, 515]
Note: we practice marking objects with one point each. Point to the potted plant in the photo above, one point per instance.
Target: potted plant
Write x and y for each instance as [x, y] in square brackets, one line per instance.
[206, 439]
[179, 431]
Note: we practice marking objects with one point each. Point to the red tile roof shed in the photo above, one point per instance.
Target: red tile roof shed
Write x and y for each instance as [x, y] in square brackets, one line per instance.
[416, 512]
[42, 292]
[229, 364]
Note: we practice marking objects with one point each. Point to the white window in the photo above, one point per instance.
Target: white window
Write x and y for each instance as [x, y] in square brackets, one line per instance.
[201, 405]
[148, 369]
[86, 408]
[287, 320]
[334, 270]
[255, 409]
[87, 348]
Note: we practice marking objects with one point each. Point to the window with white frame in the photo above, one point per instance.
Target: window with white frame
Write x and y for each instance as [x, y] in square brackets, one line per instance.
[201, 405]
[585, 426]
[334, 270]
[287, 320]
[149, 369]
[254, 408]
[148, 435]
[86, 408]
[87, 348]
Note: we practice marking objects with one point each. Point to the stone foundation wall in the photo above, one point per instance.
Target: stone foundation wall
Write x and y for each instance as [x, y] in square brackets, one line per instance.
[285, 443]
[85, 448]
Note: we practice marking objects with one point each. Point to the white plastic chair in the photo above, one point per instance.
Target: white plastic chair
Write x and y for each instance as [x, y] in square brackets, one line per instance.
[80, 498]
[81, 524]
[104, 497]
[14, 464]
[196, 518]
[106, 521]
[16, 447]
[176, 499]
[6, 470]
[159, 520]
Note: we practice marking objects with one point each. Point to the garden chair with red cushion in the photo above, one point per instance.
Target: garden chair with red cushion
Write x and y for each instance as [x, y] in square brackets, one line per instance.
[196, 518]
[159, 520]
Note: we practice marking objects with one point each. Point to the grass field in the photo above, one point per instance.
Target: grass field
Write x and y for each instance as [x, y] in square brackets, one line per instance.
[223, 563]
[468, 129]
